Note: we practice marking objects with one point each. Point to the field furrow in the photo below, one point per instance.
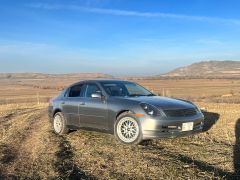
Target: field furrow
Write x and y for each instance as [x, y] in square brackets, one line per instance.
[19, 140]
[30, 150]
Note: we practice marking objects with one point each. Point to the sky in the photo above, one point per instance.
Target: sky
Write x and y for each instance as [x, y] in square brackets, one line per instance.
[118, 37]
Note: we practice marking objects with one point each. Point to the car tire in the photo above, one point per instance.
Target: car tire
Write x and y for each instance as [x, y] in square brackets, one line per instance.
[127, 129]
[59, 124]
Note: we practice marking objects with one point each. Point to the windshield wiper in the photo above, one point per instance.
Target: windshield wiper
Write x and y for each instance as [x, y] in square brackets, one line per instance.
[132, 95]
[151, 94]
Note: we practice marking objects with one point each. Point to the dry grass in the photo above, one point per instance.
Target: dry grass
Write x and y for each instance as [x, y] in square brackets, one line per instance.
[205, 90]
[207, 155]
[210, 90]
[30, 150]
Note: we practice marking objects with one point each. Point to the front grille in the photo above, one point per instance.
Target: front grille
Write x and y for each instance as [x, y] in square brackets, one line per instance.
[180, 112]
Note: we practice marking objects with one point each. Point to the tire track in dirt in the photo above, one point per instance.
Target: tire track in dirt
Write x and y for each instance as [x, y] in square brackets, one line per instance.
[7, 120]
[11, 115]
[65, 165]
[21, 127]
[31, 150]
[10, 141]
[13, 153]
[13, 111]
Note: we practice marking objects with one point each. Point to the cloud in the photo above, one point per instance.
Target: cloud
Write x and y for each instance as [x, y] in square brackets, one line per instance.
[117, 12]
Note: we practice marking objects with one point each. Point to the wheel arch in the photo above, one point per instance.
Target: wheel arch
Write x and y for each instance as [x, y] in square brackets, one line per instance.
[56, 111]
[121, 112]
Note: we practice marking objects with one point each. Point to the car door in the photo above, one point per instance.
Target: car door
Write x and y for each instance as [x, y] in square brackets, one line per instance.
[93, 113]
[70, 104]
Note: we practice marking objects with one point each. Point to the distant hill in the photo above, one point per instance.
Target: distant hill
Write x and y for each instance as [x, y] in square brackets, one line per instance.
[204, 69]
[208, 69]
[44, 76]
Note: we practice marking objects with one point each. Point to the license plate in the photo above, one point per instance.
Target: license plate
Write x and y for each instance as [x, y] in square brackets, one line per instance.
[187, 126]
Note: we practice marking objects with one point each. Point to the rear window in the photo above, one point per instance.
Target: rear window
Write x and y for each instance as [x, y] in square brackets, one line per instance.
[76, 91]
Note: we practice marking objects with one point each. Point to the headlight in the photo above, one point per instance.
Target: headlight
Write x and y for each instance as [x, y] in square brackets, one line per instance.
[149, 109]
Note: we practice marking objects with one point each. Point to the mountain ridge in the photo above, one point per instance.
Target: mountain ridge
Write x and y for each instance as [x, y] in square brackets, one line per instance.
[202, 69]
[207, 69]
[33, 75]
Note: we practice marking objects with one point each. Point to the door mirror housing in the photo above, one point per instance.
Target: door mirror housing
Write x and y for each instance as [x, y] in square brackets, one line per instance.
[96, 95]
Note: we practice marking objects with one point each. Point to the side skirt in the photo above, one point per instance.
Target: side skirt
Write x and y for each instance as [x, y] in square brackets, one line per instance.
[72, 127]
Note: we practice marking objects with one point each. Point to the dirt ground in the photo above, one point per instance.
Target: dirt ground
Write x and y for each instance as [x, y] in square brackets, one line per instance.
[30, 150]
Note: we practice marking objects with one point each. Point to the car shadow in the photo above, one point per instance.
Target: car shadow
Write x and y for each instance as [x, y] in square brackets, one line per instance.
[210, 118]
[236, 150]
[200, 165]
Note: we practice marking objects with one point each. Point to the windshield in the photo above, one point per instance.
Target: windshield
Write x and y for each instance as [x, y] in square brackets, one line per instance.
[125, 89]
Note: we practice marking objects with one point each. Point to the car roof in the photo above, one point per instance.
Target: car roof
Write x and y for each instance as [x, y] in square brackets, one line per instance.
[101, 81]
[108, 80]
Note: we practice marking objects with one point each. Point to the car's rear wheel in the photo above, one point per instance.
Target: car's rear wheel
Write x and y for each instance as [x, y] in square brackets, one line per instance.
[127, 129]
[59, 124]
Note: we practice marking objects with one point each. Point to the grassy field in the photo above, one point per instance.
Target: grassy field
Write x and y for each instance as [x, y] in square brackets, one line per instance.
[30, 150]
[201, 90]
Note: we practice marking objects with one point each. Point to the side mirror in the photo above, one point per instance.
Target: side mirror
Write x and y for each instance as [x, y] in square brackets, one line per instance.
[96, 95]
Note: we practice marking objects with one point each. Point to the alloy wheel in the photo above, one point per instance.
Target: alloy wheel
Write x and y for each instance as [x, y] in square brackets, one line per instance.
[127, 129]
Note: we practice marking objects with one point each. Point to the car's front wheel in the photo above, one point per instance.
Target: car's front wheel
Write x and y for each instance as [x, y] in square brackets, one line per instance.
[59, 124]
[127, 129]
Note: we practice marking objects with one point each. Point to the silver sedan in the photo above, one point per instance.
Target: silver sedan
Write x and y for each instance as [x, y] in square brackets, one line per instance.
[125, 109]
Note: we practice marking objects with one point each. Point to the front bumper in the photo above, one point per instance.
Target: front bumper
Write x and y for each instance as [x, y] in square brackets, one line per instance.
[170, 128]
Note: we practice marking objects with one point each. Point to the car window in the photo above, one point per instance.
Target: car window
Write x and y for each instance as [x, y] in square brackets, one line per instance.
[76, 91]
[125, 89]
[115, 89]
[134, 89]
[92, 88]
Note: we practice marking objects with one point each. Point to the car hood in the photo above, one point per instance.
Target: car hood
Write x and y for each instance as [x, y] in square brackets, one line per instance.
[163, 102]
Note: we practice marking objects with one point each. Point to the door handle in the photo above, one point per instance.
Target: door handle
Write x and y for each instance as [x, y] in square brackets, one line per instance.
[82, 103]
[62, 102]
